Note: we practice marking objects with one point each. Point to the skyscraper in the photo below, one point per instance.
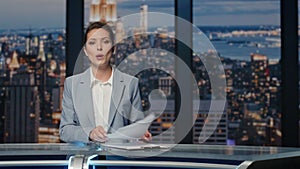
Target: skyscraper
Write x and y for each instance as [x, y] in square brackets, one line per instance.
[28, 43]
[14, 64]
[162, 128]
[2, 63]
[256, 103]
[22, 111]
[111, 11]
[165, 85]
[103, 10]
[259, 66]
[260, 81]
[41, 55]
[94, 11]
[144, 18]
[215, 134]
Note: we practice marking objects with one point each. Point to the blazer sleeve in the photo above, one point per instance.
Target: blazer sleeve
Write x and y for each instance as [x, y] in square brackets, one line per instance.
[137, 111]
[70, 129]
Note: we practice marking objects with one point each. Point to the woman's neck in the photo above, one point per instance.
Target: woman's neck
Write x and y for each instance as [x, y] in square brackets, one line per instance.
[102, 73]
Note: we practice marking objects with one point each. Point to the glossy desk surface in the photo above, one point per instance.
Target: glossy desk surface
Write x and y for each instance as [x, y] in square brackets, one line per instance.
[183, 151]
[180, 150]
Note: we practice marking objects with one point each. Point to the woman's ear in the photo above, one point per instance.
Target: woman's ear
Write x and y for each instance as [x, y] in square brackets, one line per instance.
[85, 51]
[114, 50]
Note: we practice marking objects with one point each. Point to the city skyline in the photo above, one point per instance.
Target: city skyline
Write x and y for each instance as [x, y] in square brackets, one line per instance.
[232, 12]
[253, 87]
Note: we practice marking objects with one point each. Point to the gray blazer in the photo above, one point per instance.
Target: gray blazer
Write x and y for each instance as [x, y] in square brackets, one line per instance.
[77, 117]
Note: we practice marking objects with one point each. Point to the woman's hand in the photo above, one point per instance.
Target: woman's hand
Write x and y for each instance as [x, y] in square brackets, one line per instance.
[147, 136]
[98, 134]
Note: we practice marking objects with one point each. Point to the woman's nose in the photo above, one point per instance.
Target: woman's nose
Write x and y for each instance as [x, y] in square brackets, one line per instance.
[99, 46]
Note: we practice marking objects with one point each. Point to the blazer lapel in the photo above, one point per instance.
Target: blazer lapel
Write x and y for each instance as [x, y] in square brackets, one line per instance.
[116, 96]
[84, 103]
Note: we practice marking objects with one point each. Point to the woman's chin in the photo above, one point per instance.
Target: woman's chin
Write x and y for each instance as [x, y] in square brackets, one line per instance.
[100, 63]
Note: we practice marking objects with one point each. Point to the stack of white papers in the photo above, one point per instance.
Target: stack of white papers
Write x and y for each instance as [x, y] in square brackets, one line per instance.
[136, 146]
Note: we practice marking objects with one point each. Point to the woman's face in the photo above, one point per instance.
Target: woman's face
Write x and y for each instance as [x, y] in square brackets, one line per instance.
[98, 47]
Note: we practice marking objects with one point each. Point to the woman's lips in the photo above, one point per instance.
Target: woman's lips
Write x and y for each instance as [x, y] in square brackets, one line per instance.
[99, 57]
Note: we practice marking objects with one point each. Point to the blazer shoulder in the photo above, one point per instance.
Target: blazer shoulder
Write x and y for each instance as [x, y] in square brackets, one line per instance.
[70, 80]
[126, 77]
[75, 77]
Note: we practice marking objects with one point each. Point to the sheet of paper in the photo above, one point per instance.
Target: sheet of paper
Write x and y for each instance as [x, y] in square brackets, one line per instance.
[133, 131]
[135, 146]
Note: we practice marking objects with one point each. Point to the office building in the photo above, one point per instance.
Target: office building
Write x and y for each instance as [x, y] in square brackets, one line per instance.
[103, 10]
[22, 110]
[215, 122]
[144, 18]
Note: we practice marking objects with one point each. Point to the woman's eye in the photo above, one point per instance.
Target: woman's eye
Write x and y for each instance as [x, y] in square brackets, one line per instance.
[106, 41]
[91, 43]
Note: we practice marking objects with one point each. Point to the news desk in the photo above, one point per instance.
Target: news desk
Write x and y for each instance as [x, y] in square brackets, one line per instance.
[81, 156]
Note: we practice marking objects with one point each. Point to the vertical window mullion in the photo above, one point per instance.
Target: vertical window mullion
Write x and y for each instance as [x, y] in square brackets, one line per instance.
[289, 69]
[183, 99]
[74, 33]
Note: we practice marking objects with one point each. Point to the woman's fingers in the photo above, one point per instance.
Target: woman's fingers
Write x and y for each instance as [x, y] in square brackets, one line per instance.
[147, 136]
[98, 134]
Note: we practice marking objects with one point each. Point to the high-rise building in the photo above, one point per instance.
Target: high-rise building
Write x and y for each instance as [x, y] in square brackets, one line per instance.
[253, 128]
[41, 55]
[162, 128]
[5, 48]
[165, 84]
[28, 43]
[14, 64]
[144, 18]
[256, 103]
[111, 11]
[260, 80]
[94, 11]
[216, 125]
[103, 10]
[2, 63]
[164, 132]
[259, 67]
[22, 111]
